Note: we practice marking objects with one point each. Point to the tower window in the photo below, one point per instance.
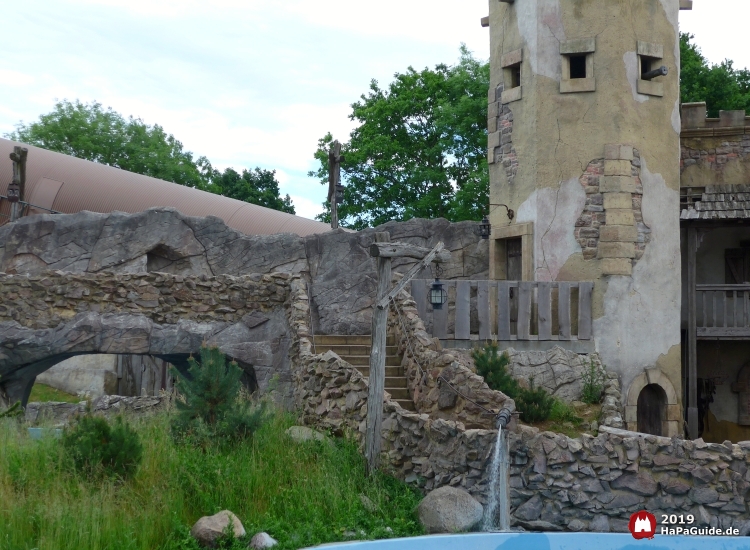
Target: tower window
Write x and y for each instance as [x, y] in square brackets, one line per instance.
[649, 61]
[514, 72]
[511, 63]
[577, 66]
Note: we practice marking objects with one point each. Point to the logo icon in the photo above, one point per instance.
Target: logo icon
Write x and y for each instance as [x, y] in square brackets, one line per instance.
[642, 525]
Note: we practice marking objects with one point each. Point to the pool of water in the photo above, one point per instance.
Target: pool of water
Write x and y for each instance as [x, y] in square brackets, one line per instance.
[548, 541]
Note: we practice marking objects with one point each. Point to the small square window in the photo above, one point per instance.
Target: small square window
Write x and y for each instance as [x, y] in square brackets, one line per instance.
[577, 66]
[514, 72]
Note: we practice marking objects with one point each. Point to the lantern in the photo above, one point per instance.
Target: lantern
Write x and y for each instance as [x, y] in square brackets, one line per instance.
[438, 295]
[339, 194]
[485, 228]
[14, 192]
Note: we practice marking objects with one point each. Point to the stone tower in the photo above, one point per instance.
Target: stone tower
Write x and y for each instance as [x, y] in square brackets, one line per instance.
[584, 146]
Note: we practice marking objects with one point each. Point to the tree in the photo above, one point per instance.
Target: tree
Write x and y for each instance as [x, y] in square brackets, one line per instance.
[256, 186]
[211, 407]
[420, 149]
[721, 86]
[90, 132]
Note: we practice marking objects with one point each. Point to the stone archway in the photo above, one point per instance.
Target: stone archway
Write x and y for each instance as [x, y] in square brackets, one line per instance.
[53, 316]
[662, 398]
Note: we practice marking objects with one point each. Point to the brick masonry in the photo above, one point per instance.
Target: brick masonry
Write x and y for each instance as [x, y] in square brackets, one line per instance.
[500, 127]
[612, 219]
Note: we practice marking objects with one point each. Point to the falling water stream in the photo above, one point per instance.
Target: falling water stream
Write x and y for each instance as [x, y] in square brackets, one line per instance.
[497, 515]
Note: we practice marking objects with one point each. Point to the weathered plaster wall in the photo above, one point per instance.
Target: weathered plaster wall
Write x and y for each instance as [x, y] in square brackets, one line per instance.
[555, 140]
[163, 240]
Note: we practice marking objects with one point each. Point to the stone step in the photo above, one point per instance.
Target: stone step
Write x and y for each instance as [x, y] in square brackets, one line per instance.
[399, 393]
[390, 360]
[407, 404]
[351, 350]
[349, 340]
[390, 372]
[395, 382]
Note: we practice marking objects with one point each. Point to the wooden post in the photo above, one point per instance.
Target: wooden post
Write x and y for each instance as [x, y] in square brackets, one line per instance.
[334, 180]
[377, 362]
[692, 412]
[18, 156]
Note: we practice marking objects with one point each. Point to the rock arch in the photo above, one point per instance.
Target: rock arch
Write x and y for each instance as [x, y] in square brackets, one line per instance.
[672, 413]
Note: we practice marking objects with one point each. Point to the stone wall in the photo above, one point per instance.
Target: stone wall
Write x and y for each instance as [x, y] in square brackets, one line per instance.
[596, 483]
[442, 383]
[109, 406]
[51, 316]
[557, 483]
[163, 240]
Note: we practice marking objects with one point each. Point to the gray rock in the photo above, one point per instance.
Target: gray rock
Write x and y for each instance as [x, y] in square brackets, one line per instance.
[641, 483]
[368, 504]
[539, 525]
[600, 524]
[303, 434]
[449, 510]
[262, 540]
[576, 525]
[210, 529]
[675, 486]
[703, 495]
[530, 510]
[624, 500]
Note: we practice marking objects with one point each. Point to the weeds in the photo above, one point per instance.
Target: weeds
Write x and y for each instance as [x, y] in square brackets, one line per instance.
[593, 384]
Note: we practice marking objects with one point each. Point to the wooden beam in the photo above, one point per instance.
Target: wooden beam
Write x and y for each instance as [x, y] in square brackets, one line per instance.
[406, 250]
[692, 416]
[686, 4]
[485, 21]
[383, 302]
[376, 382]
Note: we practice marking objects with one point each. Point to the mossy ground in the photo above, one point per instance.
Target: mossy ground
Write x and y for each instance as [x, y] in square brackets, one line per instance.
[301, 494]
[43, 393]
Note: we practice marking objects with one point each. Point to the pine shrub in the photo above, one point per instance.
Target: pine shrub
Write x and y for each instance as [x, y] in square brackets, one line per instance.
[535, 404]
[493, 368]
[97, 448]
[211, 406]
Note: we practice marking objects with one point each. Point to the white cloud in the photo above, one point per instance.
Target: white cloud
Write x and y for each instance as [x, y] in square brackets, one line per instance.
[305, 207]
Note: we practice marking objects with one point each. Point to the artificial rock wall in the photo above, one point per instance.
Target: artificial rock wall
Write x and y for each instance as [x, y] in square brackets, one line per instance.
[338, 263]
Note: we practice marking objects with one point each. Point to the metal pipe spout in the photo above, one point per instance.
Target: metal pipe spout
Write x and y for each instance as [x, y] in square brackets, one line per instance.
[503, 418]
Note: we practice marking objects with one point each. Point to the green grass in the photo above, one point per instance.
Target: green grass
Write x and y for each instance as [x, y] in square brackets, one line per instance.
[43, 393]
[301, 494]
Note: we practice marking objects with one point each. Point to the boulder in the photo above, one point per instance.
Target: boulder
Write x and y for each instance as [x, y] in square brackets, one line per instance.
[641, 484]
[449, 510]
[263, 540]
[302, 434]
[209, 529]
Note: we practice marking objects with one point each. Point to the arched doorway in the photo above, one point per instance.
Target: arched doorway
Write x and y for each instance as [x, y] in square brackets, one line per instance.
[652, 410]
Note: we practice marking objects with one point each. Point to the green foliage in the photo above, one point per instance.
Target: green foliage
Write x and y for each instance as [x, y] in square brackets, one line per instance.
[721, 86]
[41, 393]
[13, 411]
[253, 186]
[563, 412]
[593, 384]
[211, 407]
[301, 494]
[493, 368]
[535, 404]
[96, 448]
[419, 150]
[90, 132]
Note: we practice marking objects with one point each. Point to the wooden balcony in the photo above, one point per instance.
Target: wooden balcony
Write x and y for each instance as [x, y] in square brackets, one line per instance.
[508, 310]
[722, 312]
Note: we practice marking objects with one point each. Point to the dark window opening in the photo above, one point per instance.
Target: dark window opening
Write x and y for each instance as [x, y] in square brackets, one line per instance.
[577, 66]
[648, 63]
[515, 75]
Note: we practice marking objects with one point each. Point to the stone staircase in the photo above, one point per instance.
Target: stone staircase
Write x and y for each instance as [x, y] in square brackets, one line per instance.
[356, 351]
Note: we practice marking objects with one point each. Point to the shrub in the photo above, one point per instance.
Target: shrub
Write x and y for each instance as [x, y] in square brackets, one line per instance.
[563, 412]
[211, 406]
[593, 384]
[95, 447]
[535, 403]
[493, 368]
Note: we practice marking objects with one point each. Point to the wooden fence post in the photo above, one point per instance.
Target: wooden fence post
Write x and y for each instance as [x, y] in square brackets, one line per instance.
[377, 362]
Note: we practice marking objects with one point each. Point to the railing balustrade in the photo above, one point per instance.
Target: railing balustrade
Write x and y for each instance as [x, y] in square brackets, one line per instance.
[722, 311]
[541, 311]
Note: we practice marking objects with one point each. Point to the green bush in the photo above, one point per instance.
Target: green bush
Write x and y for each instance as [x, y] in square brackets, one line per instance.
[535, 404]
[593, 384]
[211, 407]
[95, 447]
[563, 412]
[493, 368]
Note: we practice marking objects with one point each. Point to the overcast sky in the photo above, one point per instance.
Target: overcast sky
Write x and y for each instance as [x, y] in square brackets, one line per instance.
[255, 82]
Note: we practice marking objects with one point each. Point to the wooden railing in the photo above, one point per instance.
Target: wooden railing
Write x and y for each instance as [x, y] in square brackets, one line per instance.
[722, 311]
[523, 310]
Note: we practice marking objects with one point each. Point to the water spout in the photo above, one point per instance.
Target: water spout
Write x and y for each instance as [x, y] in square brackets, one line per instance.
[497, 513]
